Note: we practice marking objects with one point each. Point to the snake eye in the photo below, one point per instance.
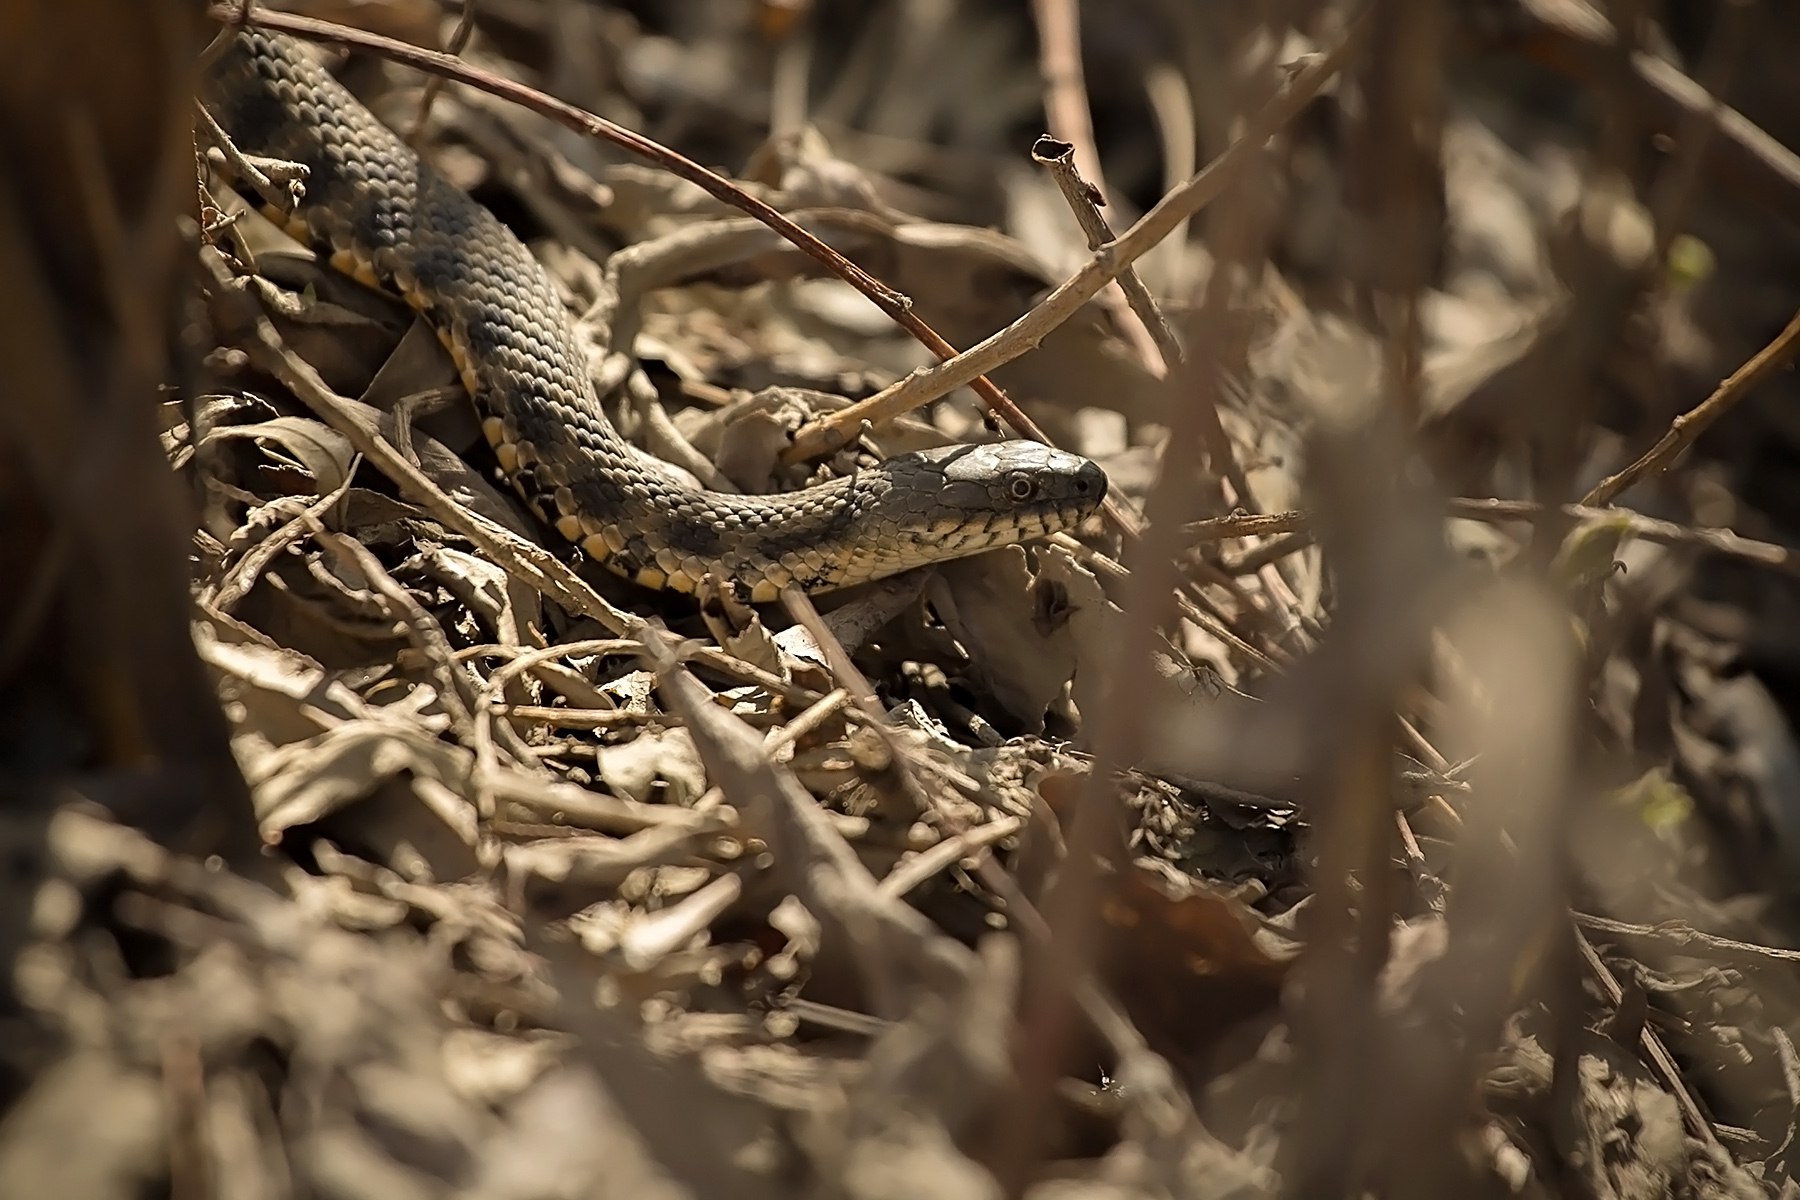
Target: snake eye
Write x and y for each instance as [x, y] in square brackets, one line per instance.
[1021, 487]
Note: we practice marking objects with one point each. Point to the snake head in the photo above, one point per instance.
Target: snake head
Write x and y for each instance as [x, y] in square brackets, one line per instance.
[959, 500]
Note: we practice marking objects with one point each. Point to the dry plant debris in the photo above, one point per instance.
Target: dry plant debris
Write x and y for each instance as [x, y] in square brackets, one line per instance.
[1395, 795]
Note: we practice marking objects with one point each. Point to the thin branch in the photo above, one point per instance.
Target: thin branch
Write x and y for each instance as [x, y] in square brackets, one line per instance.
[1071, 123]
[1676, 184]
[1680, 938]
[1084, 198]
[1570, 36]
[1667, 533]
[1502, 512]
[459, 40]
[1688, 427]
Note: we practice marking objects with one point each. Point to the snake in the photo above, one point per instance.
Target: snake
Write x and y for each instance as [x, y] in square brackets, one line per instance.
[378, 213]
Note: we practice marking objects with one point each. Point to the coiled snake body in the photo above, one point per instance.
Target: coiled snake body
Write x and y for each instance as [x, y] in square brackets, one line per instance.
[391, 221]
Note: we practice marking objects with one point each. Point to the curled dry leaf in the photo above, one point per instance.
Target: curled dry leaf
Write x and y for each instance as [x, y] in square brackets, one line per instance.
[752, 434]
[1189, 960]
[1015, 627]
[420, 366]
[303, 782]
[323, 453]
[656, 764]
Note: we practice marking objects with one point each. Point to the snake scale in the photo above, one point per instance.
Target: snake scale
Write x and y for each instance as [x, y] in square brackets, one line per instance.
[381, 215]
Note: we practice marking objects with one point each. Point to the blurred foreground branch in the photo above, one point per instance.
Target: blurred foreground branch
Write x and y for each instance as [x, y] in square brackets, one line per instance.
[101, 695]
